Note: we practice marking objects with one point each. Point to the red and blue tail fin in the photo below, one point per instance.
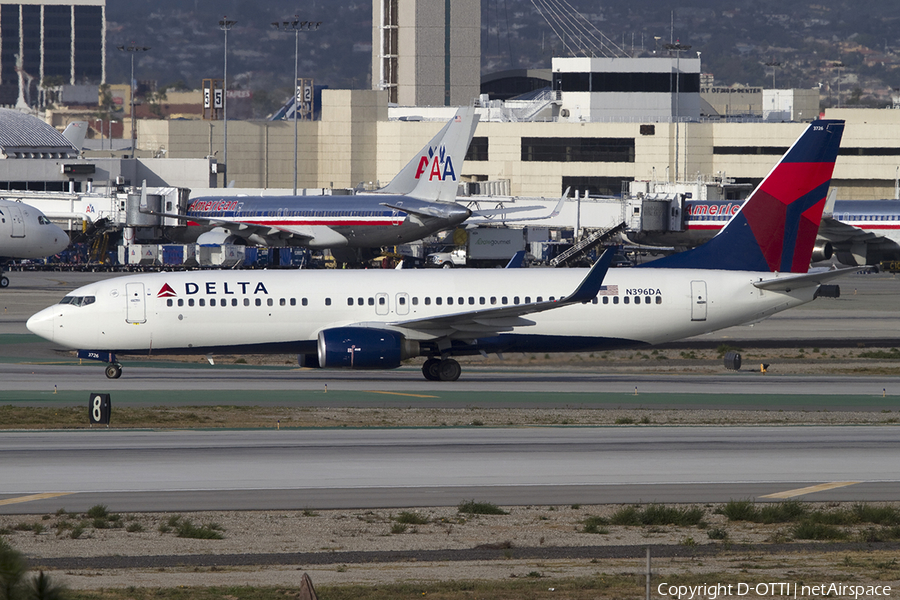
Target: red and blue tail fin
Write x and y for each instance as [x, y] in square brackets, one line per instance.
[776, 228]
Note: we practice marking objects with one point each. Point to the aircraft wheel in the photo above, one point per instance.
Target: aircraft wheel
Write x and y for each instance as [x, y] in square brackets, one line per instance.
[430, 369]
[4, 281]
[449, 370]
[113, 371]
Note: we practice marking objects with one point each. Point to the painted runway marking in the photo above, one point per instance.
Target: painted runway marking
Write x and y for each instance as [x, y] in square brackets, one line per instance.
[811, 489]
[33, 497]
[401, 394]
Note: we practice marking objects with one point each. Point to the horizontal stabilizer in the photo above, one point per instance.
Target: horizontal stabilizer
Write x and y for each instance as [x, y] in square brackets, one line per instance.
[793, 282]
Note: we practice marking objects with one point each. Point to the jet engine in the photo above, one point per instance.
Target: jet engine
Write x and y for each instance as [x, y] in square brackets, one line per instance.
[217, 235]
[363, 348]
[823, 250]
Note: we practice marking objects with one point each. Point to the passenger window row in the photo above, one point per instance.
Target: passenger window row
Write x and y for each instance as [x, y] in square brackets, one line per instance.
[234, 302]
[380, 300]
[627, 299]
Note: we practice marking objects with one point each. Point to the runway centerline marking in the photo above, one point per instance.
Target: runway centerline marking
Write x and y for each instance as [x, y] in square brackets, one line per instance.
[33, 497]
[811, 489]
[400, 394]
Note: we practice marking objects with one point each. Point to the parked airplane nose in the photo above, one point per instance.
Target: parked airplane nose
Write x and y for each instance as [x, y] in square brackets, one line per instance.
[57, 240]
[41, 323]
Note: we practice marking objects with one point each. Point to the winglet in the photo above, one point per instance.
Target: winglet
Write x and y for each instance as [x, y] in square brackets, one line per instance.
[434, 173]
[593, 281]
[516, 261]
[75, 133]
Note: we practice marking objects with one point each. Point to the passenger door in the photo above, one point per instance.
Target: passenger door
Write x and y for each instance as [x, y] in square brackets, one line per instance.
[135, 308]
[698, 301]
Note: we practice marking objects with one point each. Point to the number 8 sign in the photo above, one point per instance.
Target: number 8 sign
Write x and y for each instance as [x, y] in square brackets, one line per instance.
[99, 409]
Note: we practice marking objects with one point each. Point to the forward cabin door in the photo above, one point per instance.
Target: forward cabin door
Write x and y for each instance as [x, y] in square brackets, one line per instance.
[698, 301]
[18, 222]
[135, 311]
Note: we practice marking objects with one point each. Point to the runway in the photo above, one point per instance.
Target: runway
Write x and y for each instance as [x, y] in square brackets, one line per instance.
[296, 469]
[30, 384]
[335, 468]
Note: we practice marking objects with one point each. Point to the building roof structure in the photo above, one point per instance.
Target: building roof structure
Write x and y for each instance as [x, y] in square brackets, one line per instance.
[25, 136]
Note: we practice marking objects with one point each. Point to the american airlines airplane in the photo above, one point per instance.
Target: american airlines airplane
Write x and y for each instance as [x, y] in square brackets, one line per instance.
[755, 267]
[857, 232]
[419, 201]
[26, 233]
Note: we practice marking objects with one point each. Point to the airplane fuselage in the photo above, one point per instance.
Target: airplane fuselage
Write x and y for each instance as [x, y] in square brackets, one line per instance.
[26, 233]
[223, 311]
[360, 221]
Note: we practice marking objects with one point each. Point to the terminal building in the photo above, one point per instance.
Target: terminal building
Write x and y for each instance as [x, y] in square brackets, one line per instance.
[593, 126]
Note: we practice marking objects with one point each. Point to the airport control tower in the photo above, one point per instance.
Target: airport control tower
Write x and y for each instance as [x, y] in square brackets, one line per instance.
[427, 52]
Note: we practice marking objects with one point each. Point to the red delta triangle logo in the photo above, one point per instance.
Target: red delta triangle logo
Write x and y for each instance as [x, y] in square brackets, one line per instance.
[166, 291]
[438, 165]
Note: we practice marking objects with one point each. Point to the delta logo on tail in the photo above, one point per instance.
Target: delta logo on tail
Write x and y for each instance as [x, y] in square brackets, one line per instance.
[775, 229]
[438, 164]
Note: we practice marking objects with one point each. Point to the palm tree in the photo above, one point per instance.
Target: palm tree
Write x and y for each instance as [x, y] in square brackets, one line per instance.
[12, 571]
[42, 588]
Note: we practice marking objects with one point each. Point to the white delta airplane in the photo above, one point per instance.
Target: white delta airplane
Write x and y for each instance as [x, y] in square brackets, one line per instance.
[26, 233]
[755, 267]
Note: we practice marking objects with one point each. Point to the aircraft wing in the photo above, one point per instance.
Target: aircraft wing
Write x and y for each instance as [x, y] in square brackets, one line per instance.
[504, 318]
[789, 281]
[437, 210]
[245, 230]
[837, 232]
[498, 215]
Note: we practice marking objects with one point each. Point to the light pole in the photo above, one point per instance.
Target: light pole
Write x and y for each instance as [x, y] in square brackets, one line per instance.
[225, 25]
[296, 25]
[839, 66]
[132, 49]
[677, 47]
[774, 65]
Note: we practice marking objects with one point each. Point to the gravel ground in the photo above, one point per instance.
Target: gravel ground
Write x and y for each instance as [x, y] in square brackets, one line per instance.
[370, 547]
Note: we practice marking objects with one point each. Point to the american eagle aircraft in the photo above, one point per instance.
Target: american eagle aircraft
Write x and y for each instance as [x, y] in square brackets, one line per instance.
[26, 233]
[419, 201]
[755, 267]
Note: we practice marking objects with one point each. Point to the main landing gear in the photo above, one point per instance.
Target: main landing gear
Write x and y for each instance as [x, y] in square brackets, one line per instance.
[437, 369]
[4, 280]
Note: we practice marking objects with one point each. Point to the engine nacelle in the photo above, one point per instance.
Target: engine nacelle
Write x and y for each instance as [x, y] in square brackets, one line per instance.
[219, 236]
[363, 348]
[822, 251]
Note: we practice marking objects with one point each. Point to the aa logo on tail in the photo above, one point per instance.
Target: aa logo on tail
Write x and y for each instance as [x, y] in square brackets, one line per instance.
[438, 165]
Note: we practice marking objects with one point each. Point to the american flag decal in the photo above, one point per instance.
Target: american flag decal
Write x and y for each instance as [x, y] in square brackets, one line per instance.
[608, 290]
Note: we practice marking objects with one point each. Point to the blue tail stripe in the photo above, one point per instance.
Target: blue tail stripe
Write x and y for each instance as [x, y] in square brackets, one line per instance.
[736, 250]
[736, 247]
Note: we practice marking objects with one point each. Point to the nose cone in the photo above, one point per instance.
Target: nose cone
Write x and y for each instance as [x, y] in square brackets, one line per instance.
[42, 323]
[56, 240]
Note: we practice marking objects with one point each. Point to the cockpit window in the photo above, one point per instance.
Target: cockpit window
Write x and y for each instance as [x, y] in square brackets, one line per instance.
[43, 220]
[78, 300]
